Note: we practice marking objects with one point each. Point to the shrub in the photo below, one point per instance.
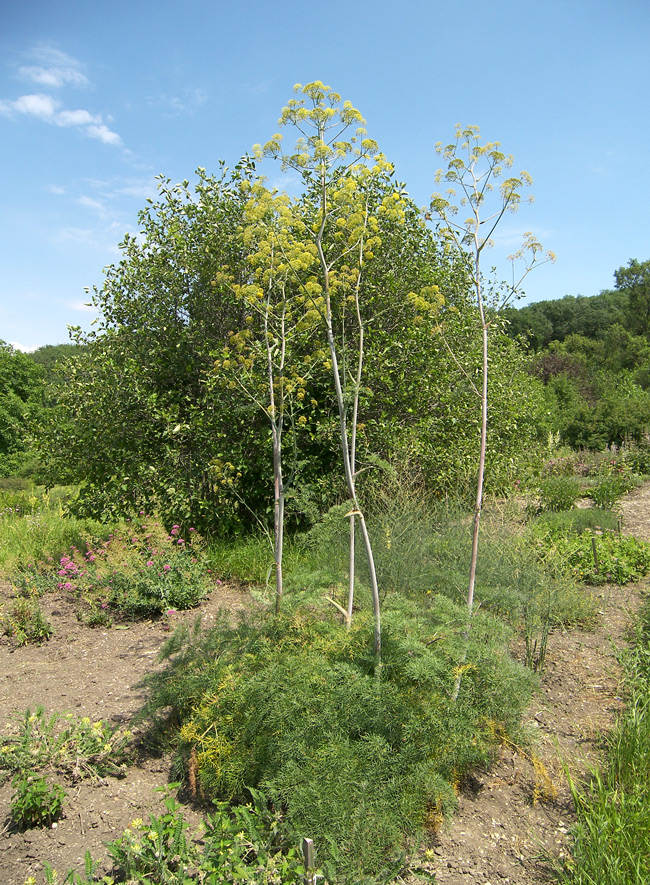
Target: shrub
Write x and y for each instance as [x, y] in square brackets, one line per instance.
[610, 489]
[558, 493]
[620, 560]
[140, 570]
[293, 707]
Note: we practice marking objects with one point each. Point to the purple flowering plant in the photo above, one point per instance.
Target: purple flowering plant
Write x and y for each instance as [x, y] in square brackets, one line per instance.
[140, 571]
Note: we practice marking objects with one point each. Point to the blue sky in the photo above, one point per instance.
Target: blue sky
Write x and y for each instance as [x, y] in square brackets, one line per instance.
[97, 98]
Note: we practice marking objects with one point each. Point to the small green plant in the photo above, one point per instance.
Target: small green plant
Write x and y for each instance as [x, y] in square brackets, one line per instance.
[153, 851]
[610, 489]
[559, 493]
[76, 747]
[25, 622]
[607, 558]
[237, 846]
[72, 877]
[35, 803]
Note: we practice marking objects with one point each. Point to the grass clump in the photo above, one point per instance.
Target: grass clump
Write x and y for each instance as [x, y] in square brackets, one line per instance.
[294, 708]
[35, 532]
[25, 622]
[586, 519]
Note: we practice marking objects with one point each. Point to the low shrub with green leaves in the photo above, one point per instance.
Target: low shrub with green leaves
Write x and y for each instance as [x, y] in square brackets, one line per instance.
[610, 489]
[293, 707]
[36, 802]
[559, 493]
[617, 559]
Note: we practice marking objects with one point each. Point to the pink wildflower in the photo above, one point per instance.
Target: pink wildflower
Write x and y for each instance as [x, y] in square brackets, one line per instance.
[166, 568]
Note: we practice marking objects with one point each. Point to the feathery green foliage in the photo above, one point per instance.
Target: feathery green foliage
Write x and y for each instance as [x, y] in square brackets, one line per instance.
[293, 707]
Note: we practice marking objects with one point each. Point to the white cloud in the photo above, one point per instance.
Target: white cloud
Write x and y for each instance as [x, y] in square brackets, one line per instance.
[54, 68]
[89, 203]
[103, 133]
[45, 107]
[18, 346]
[76, 118]
[42, 106]
[53, 77]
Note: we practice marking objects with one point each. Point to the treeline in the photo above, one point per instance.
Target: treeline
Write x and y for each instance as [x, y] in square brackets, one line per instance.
[593, 357]
[23, 397]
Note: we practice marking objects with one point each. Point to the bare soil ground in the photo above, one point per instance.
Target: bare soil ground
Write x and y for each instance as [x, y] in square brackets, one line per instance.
[513, 820]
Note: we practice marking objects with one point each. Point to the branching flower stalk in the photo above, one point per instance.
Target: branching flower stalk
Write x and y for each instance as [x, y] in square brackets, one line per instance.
[472, 170]
[336, 173]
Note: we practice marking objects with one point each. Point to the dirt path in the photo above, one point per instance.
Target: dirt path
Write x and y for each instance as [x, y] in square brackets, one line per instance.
[499, 834]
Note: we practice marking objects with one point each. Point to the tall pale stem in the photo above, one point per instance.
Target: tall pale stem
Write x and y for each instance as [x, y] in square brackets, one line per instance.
[278, 515]
[481, 472]
[277, 419]
[340, 401]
